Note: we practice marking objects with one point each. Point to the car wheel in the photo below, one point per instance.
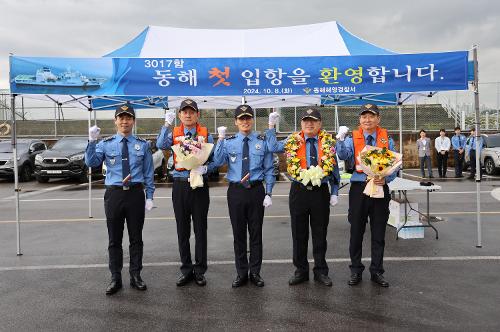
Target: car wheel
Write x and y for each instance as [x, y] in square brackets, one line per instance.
[489, 166]
[42, 179]
[83, 178]
[25, 173]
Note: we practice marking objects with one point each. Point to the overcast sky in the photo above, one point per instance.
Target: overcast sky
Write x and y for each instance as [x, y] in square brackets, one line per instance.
[77, 28]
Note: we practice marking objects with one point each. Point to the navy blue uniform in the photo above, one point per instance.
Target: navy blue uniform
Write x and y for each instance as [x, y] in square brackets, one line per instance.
[245, 198]
[124, 200]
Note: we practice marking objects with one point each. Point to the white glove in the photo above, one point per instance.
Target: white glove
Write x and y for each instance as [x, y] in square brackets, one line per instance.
[149, 204]
[222, 132]
[201, 169]
[267, 201]
[94, 132]
[334, 200]
[169, 117]
[343, 130]
[274, 117]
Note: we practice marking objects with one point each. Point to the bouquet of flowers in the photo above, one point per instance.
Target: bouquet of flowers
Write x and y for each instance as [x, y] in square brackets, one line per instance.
[378, 162]
[191, 153]
[315, 173]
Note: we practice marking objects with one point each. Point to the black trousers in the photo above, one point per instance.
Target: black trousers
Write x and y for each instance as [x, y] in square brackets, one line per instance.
[191, 203]
[459, 162]
[309, 208]
[120, 206]
[362, 208]
[246, 211]
[442, 160]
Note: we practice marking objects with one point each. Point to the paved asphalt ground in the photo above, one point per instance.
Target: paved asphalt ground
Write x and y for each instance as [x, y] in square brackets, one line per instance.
[58, 283]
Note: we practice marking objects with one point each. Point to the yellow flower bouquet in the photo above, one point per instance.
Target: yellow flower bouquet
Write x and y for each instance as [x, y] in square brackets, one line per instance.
[378, 162]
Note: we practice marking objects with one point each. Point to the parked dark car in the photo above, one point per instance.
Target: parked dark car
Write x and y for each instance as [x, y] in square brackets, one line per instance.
[63, 160]
[27, 149]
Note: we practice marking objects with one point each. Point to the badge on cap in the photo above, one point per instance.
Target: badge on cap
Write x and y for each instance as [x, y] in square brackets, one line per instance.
[243, 108]
[309, 111]
[137, 147]
[368, 106]
[189, 102]
[124, 107]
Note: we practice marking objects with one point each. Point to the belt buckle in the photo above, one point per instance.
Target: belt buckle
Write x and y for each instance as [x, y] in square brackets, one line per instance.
[126, 188]
[309, 187]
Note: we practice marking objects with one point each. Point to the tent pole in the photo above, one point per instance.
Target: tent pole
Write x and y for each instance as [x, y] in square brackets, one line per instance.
[478, 135]
[90, 109]
[400, 109]
[336, 118]
[16, 172]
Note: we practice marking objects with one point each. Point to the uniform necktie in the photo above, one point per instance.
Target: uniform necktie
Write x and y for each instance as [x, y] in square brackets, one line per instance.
[369, 140]
[313, 154]
[473, 144]
[188, 134]
[125, 162]
[245, 162]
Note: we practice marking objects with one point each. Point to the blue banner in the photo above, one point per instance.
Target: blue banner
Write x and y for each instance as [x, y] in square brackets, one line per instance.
[342, 75]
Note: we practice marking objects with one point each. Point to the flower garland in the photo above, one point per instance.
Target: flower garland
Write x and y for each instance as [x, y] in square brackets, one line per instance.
[293, 161]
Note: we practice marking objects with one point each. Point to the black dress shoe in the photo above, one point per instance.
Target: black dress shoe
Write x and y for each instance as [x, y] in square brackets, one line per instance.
[200, 280]
[379, 279]
[298, 279]
[355, 279]
[113, 287]
[137, 283]
[184, 279]
[256, 279]
[323, 279]
[240, 281]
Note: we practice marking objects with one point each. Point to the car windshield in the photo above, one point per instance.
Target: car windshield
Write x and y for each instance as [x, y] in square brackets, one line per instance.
[493, 141]
[7, 147]
[74, 143]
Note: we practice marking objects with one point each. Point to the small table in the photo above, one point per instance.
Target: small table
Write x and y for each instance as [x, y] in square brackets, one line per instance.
[404, 185]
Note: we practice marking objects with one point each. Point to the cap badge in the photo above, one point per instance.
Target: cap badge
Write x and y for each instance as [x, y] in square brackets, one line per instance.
[368, 106]
[244, 108]
[189, 102]
[309, 111]
[124, 107]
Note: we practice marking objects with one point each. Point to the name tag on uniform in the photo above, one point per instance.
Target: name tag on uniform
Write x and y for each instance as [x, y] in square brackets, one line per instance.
[423, 148]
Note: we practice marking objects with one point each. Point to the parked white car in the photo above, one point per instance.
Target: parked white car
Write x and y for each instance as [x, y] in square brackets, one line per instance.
[490, 154]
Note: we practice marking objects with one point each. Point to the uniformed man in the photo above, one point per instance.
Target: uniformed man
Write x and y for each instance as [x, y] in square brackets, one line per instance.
[189, 203]
[310, 205]
[249, 163]
[458, 145]
[471, 148]
[129, 165]
[361, 206]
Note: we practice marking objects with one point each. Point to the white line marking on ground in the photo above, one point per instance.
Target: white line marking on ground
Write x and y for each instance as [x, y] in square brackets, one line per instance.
[224, 196]
[496, 194]
[46, 190]
[225, 217]
[266, 261]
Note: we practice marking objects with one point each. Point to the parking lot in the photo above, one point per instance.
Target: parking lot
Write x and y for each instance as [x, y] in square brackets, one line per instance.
[58, 283]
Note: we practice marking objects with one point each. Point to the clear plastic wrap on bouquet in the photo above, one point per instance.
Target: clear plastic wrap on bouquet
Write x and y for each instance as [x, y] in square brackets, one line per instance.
[191, 157]
[377, 162]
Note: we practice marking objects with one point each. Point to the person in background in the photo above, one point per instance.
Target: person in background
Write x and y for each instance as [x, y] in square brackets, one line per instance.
[458, 145]
[424, 153]
[442, 145]
[471, 148]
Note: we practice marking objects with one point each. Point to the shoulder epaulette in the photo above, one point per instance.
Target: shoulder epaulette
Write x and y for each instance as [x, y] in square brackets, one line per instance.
[261, 137]
[231, 137]
[141, 139]
[108, 138]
